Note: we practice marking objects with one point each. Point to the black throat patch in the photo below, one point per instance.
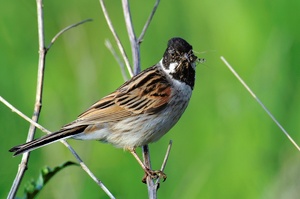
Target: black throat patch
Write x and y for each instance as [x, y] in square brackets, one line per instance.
[181, 53]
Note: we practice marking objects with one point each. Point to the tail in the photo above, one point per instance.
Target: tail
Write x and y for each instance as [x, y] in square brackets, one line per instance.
[47, 139]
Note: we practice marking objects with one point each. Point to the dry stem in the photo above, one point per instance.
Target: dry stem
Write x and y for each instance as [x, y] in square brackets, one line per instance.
[38, 100]
[38, 105]
[82, 164]
[141, 37]
[260, 103]
[120, 46]
[135, 47]
[163, 166]
[121, 64]
[64, 30]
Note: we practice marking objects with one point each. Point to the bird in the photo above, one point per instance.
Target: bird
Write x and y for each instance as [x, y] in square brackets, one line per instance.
[140, 111]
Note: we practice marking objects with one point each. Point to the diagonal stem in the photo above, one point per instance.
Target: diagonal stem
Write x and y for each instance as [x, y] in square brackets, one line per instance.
[113, 52]
[113, 31]
[260, 103]
[141, 37]
[64, 30]
[82, 164]
[163, 166]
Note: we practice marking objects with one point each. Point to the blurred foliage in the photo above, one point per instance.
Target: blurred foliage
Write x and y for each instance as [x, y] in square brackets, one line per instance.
[33, 188]
[224, 146]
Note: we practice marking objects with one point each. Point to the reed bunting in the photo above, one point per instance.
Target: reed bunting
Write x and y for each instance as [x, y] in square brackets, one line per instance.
[139, 112]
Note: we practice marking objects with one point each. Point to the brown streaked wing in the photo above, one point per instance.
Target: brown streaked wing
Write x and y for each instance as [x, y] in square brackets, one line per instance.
[150, 98]
[105, 110]
[148, 92]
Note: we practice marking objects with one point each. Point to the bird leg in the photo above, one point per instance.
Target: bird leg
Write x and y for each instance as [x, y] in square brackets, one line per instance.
[154, 174]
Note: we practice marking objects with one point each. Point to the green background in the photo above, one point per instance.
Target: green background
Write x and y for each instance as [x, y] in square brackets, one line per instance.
[225, 145]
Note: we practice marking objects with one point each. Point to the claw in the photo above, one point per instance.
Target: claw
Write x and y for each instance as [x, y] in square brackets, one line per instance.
[154, 174]
[161, 175]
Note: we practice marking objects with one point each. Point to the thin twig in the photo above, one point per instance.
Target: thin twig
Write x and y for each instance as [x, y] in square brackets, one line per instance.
[113, 52]
[12, 108]
[163, 166]
[141, 37]
[120, 46]
[38, 100]
[64, 30]
[135, 47]
[260, 103]
[82, 164]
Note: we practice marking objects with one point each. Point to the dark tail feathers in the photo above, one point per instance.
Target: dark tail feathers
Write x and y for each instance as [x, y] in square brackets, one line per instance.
[47, 139]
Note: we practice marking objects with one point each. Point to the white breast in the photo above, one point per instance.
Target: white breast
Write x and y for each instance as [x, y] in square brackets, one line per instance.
[145, 128]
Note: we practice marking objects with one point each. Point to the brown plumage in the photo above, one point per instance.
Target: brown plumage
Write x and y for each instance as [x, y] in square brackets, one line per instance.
[139, 112]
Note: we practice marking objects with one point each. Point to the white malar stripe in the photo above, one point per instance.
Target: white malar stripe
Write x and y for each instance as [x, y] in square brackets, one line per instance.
[171, 69]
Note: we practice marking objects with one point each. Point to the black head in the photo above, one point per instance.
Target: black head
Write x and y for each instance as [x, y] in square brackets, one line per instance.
[179, 61]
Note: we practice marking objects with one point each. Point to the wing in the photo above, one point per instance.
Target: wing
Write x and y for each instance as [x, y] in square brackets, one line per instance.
[148, 92]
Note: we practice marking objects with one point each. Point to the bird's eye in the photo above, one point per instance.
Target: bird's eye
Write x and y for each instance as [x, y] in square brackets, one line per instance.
[172, 52]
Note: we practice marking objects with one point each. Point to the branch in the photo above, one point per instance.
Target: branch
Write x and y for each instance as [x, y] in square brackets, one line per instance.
[64, 30]
[135, 47]
[121, 48]
[82, 164]
[163, 166]
[38, 104]
[113, 52]
[260, 103]
[152, 191]
[38, 99]
[141, 37]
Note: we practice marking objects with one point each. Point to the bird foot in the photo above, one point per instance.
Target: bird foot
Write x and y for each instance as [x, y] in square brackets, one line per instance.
[154, 174]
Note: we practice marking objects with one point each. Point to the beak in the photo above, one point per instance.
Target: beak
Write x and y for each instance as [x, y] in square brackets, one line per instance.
[186, 56]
